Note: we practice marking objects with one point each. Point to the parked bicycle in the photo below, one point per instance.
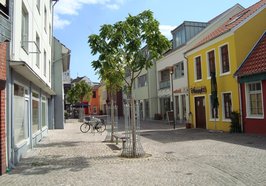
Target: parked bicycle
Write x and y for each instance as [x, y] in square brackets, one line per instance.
[96, 124]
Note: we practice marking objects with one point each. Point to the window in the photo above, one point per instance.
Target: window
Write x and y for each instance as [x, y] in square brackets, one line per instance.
[198, 68]
[142, 81]
[50, 34]
[38, 54]
[49, 71]
[20, 118]
[44, 111]
[35, 112]
[94, 110]
[211, 62]
[38, 5]
[224, 59]
[45, 19]
[212, 110]
[94, 94]
[227, 105]
[165, 79]
[254, 99]
[24, 29]
[4, 7]
[179, 70]
[44, 63]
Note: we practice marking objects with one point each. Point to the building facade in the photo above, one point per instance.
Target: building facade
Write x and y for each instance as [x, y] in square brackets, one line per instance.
[5, 36]
[172, 74]
[221, 52]
[60, 65]
[29, 93]
[251, 76]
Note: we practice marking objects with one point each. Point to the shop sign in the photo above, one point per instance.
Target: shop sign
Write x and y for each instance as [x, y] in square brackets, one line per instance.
[198, 90]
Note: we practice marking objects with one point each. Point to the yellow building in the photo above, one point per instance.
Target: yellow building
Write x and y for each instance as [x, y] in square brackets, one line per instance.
[102, 98]
[222, 51]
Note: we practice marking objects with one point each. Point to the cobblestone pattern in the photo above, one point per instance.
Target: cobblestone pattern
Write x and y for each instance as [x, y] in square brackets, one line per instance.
[174, 157]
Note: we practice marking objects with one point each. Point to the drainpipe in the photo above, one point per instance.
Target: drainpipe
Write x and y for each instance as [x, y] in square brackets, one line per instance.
[240, 104]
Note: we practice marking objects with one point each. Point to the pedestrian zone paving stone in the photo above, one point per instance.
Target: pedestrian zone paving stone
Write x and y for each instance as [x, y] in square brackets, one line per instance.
[174, 157]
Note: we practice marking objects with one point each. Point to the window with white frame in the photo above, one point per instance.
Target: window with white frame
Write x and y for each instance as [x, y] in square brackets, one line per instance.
[24, 28]
[211, 62]
[49, 71]
[142, 80]
[44, 63]
[45, 19]
[198, 73]
[38, 54]
[213, 112]
[35, 112]
[38, 5]
[254, 99]
[227, 105]
[179, 70]
[44, 111]
[224, 59]
[20, 118]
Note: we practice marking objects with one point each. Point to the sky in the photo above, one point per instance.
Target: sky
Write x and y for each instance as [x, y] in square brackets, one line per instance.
[75, 20]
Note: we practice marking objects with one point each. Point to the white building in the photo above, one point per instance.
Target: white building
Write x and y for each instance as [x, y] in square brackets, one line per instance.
[29, 93]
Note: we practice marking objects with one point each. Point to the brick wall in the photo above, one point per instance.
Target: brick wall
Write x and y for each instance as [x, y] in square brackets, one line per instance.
[3, 49]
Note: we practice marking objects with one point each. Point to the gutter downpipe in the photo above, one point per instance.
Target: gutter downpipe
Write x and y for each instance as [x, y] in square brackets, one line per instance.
[240, 104]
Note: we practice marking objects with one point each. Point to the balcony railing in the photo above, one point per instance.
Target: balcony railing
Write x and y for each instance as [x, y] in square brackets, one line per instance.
[164, 84]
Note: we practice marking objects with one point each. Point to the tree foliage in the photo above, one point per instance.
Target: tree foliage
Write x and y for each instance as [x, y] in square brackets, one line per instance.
[79, 92]
[120, 46]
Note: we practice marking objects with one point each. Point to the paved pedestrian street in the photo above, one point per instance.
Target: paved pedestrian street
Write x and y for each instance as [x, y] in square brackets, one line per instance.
[174, 157]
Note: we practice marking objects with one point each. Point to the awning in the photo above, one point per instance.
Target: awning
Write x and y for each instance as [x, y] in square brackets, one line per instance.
[26, 71]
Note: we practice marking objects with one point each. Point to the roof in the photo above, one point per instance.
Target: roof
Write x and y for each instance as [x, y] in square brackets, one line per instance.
[78, 79]
[231, 23]
[255, 62]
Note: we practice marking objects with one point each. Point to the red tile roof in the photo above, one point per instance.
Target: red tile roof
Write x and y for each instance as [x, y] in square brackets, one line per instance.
[232, 23]
[255, 62]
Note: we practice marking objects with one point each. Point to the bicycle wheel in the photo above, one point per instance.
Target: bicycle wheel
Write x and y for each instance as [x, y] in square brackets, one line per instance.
[101, 127]
[84, 127]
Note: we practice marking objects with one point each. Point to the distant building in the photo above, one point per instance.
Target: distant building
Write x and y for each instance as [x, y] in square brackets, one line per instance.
[61, 78]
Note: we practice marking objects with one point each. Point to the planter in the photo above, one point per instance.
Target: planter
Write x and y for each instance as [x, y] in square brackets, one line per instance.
[188, 125]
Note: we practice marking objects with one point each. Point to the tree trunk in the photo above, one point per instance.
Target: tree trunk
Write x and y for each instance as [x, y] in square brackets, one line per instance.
[133, 126]
[112, 117]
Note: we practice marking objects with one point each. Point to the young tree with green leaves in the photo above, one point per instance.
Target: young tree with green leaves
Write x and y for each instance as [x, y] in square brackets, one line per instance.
[120, 47]
[80, 92]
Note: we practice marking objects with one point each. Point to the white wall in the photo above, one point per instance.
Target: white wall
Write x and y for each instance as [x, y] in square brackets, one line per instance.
[36, 24]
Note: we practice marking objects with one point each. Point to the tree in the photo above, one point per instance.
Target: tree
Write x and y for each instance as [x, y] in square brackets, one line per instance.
[79, 92]
[120, 47]
[113, 82]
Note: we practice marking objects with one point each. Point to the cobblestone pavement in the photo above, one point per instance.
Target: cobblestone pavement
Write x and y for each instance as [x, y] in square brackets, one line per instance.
[174, 157]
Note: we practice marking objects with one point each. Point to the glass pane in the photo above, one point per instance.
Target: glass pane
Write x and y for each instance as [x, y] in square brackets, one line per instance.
[35, 116]
[19, 132]
[43, 114]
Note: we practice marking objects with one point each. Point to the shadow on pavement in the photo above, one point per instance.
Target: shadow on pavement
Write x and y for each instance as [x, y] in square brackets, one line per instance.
[181, 135]
[162, 132]
[43, 165]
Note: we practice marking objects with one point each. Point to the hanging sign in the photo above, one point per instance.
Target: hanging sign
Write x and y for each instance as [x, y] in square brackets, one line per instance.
[198, 90]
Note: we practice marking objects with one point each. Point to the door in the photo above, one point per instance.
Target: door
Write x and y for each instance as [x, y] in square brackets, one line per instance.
[177, 108]
[200, 112]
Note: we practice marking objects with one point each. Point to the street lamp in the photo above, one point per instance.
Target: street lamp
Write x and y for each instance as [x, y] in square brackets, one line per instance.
[171, 71]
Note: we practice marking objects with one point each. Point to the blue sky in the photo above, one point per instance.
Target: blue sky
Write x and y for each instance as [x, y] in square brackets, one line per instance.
[75, 20]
